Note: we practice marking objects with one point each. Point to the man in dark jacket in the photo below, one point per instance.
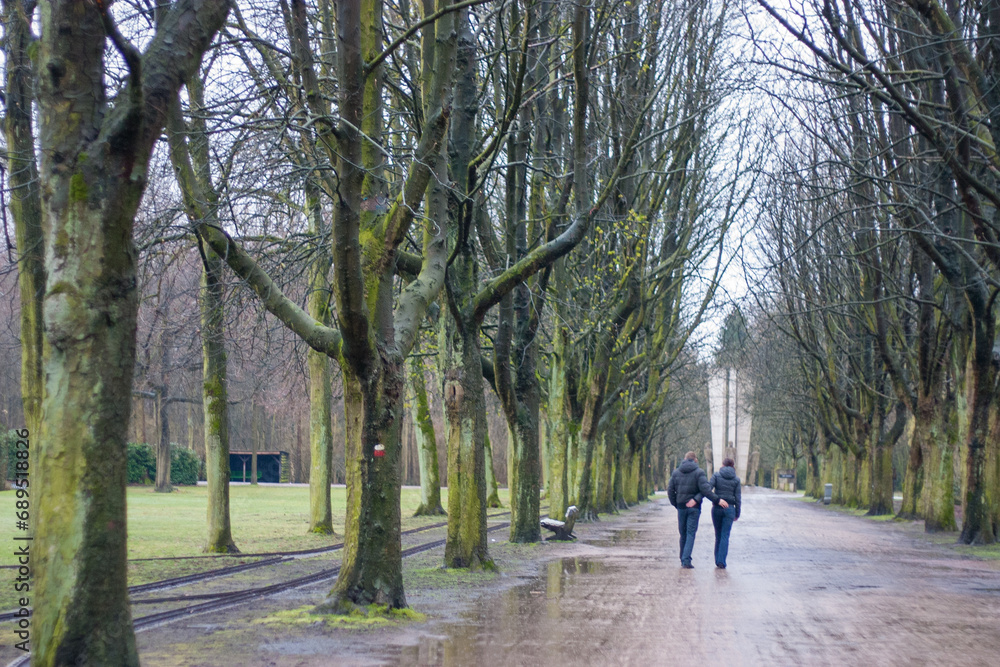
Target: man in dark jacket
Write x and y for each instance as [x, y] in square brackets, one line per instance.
[727, 485]
[688, 485]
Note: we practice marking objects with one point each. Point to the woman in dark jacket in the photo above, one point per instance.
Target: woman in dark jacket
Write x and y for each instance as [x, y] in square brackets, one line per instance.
[727, 486]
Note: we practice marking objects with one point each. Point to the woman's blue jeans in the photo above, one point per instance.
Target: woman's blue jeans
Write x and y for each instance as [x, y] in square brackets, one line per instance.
[722, 519]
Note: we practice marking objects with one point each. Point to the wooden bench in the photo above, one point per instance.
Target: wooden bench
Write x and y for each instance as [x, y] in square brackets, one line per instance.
[563, 529]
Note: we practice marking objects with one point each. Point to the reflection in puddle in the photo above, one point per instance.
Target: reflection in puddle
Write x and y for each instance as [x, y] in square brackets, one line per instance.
[568, 566]
[617, 537]
[522, 615]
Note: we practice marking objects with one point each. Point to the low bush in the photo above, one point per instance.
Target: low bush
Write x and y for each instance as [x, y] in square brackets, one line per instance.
[184, 466]
[141, 463]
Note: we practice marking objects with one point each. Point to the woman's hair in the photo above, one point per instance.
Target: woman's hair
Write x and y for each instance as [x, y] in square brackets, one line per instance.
[728, 462]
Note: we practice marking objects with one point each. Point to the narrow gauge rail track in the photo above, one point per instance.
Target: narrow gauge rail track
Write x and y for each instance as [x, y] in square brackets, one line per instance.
[301, 552]
[231, 599]
[226, 600]
[270, 558]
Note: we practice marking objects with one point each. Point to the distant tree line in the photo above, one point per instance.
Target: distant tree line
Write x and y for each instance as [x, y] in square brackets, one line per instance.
[432, 202]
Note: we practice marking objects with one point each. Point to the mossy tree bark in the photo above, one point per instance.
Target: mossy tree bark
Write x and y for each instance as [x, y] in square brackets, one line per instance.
[465, 412]
[605, 480]
[459, 347]
[371, 569]
[814, 459]
[492, 486]
[930, 441]
[979, 517]
[426, 437]
[25, 202]
[560, 423]
[320, 378]
[215, 404]
[880, 464]
[95, 154]
[913, 477]
[189, 155]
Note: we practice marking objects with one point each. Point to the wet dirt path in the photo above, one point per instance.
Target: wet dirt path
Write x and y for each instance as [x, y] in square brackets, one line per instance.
[805, 585]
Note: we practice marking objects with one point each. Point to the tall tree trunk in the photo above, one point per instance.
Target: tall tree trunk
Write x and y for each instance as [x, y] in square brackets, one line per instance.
[623, 466]
[516, 342]
[834, 469]
[525, 470]
[163, 444]
[82, 609]
[931, 438]
[912, 505]
[629, 463]
[465, 412]
[604, 501]
[864, 484]
[162, 393]
[646, 483]
[215, 402]
[190, 156]
[320, 380]
[371, 570]
[492, 486]
[94, 161]
[25, 205]
[256, 438]
[320, 444]
[558, 426]
[880, 501]
[978, 520]
[426, 440]
[849, 471]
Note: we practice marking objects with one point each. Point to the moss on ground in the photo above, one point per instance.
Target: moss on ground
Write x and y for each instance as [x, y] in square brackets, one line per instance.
[371, 616]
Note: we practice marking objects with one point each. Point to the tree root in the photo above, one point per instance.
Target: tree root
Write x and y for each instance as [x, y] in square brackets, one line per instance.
[425, 510]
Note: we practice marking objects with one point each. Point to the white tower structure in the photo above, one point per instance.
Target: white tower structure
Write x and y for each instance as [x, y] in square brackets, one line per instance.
[728, 394]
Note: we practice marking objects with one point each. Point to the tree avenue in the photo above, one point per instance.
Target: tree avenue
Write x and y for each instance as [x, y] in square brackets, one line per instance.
[883, 233]
[466, 244]
[94, 155]
[437, 156]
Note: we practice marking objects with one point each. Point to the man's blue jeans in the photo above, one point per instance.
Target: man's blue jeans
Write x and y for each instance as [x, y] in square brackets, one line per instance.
[723, 521]
[687, 524]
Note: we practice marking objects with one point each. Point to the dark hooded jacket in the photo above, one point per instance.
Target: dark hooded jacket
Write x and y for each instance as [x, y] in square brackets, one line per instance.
[687, 482]
[727, 485]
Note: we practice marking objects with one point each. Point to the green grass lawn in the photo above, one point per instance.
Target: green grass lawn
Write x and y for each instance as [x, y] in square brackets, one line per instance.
[264, 518]
[989, 552]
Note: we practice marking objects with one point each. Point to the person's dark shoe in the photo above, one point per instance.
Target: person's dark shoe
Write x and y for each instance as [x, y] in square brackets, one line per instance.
[721, 566]
[687, 566]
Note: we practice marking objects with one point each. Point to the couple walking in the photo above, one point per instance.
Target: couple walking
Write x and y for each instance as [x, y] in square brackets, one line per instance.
[688, 485]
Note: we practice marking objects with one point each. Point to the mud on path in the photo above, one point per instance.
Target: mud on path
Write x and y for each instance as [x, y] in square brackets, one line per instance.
[805, 585]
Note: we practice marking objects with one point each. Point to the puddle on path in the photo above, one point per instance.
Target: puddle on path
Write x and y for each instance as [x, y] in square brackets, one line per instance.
[616, 538]
[516, 616]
